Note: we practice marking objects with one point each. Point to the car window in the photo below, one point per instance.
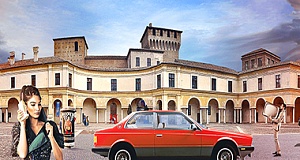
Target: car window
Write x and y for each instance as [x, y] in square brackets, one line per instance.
[141, 121]
[173, 121]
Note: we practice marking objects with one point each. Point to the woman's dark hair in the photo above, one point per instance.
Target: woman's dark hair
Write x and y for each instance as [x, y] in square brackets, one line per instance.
[27, 92]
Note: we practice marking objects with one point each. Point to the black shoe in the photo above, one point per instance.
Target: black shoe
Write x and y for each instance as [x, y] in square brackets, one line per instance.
[277, 155]
[274, 152]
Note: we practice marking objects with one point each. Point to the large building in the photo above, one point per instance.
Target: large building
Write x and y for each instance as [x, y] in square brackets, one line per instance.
[103, 87]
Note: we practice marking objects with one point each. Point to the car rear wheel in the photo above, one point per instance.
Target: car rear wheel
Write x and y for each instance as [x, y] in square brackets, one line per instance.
[122, 154]
[224, 153]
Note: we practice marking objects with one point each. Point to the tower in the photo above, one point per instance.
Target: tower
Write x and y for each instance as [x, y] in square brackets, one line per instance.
[167, 40]
[73, 49]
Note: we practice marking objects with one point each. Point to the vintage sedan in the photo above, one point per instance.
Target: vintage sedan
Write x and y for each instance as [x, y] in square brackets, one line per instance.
[168, 134]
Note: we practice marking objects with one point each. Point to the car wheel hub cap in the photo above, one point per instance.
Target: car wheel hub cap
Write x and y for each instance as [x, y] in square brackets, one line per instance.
[122, 155]
[225, 154]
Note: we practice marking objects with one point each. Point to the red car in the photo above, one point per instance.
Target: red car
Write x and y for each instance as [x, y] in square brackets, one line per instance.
[168, 134]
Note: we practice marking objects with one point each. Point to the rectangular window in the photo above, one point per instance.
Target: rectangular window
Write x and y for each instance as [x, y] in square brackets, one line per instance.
[246, 65]
[76, 46]
[269, 61]
[33, 80]
[57, 78]
[148, 62]
[252, 63]
[259, 62]
[259, 84]
[153, 32]
[244, 86]
[89, 84]
[213, 84]
[161, 32]
[229, 86]
[12, 82]
[175, 34]
[277, 77]
[158, 81]
[168, 33]
[194, 82]
[138, 84]
[113, 84]
[137, 61]
[157, 62]
[171, 80]
[298, 81]
[70, 80]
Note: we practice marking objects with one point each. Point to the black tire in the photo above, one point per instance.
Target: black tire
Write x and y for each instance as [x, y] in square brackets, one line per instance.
[224, 153]
[122, 153]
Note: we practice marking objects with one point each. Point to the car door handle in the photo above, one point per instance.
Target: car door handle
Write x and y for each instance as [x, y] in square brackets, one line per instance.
[158, 135]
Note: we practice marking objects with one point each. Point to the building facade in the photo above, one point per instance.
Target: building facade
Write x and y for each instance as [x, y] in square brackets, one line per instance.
[107, 87]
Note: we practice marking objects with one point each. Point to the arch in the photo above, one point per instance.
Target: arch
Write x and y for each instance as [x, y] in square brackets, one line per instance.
[260, 104]
[12, 110]
[278, 101]
[213, 107]
[194, 109]
[137, 104]
[160, 45]
[89, 109]
[156, 45]
[57, 105]
[114, 109]
[172, 105]
[245, 111]
[297, 109]
[163, 45]
[229, 111]
[159, 105]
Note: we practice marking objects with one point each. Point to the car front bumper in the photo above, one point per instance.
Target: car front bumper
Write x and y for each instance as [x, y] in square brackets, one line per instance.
[245, 150]
[102, 151]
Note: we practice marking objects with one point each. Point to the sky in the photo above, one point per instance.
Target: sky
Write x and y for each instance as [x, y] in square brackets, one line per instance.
[218, 32]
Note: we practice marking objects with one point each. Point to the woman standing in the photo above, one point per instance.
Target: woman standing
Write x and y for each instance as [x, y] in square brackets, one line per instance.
[33, 136]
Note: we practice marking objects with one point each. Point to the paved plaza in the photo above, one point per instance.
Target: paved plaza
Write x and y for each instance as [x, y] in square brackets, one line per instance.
[262, 139]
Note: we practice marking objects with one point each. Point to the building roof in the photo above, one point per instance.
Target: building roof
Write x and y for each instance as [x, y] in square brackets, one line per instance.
[105, 58]
[63, 38]
[30, 62]
[260, 51]
[205, 66]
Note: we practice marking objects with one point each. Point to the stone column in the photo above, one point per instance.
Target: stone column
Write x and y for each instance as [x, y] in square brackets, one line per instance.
[255, 115]
[201, 115]
[207, 122]
[219, 119]
[241, 117]
[97, 115]
[224, 115]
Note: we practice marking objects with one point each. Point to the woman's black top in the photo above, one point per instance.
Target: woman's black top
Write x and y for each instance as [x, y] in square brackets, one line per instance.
[44, 151]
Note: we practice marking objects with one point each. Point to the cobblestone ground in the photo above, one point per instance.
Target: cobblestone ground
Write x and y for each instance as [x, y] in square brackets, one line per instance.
[84, 138]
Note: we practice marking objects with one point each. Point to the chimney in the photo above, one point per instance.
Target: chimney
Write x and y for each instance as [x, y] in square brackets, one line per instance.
[12, 58]
[23, 56]
[150, 24]
[35, 53]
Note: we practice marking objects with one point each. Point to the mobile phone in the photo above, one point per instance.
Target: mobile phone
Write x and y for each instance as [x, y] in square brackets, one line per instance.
[21, 107]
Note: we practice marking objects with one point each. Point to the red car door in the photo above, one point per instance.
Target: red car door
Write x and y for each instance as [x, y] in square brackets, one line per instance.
[175, 137]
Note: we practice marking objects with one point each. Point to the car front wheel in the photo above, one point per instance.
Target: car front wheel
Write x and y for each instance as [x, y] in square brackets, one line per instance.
[225, 153]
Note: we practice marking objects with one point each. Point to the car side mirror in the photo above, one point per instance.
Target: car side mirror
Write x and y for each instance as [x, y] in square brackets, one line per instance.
[193, 127]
